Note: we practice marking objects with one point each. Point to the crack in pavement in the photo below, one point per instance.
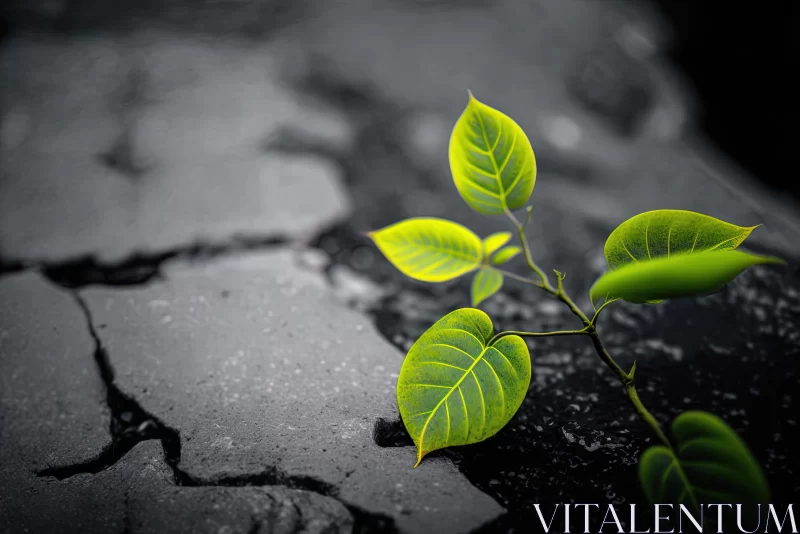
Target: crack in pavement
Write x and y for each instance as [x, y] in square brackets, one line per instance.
[132, 424]
[142, 268]
[393, 433]
[138, 268]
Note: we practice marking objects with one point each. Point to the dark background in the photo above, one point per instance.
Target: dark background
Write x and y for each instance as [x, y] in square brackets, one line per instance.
[736, 56]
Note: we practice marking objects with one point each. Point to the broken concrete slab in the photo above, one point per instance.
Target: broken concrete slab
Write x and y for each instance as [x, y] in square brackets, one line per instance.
[258, 367]
[52, 398]
[269, 509]
[61, 506]
[138, 495]
[116, 146]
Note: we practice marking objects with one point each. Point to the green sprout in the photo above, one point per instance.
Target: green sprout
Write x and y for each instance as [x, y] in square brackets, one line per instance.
[461, 382]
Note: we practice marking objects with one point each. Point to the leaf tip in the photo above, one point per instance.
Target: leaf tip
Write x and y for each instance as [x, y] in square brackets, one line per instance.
[775, 260]
[471, 96]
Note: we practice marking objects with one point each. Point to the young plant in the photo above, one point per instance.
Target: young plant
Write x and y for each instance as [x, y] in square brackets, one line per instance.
[461, 382]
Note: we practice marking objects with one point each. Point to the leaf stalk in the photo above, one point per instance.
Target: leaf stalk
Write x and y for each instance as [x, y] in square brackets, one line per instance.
[583, 331]
[625, 377]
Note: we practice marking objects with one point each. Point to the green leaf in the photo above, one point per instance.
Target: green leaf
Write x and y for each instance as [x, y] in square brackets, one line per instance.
[491, 160]
[494, 242]
[485, 284]
[658, 233]
[671, 253]
[677, 276]
[428, 249]
[505, 254]
[710, 465]
[456, 389]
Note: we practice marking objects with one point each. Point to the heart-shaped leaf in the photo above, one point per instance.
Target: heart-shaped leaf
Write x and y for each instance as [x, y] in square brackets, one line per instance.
[486, 283]
[455, 388]
[429, 249]
[491, 160]
[710, 465]
[679, 275]
[663, 233]
[494, 242]
[505, 254]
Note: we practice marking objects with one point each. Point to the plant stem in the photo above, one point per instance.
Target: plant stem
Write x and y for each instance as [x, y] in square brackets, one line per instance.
[597, 312]
[584, 332]
[546, 285]
[626, 378]
[646, 415]
[519, 278]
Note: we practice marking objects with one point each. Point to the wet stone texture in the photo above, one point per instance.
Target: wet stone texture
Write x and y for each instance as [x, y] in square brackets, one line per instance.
[54, 419]
[52, 400]
[263, 373]
[255, 392]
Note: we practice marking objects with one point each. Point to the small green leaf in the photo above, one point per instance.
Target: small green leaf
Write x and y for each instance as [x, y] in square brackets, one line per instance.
[491, 160]
[456, 389]
[428, 249]
[677, 276]
[494, 242]
[485, 284]
[658, 233]
[710, 465]
[505, 254]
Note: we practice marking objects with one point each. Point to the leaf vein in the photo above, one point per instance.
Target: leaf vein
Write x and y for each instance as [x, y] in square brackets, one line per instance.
[716, 247]
[466, 412]
[483, 401]
[499, 384]
[694, 244]
[444, 364]
[447, 411]
[622, 242]
[506, 359]
[517, 178]
[499, 135]
[494, 162]
[447, 396]
[473, 336]
[669, 236]
[510, 154]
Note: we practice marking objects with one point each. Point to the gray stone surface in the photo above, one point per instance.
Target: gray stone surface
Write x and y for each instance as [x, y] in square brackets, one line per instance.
[52, 400]
[89, 503]
[113, 146]
[137, 495]
[263, 510]
[53, 414]
[257, 365]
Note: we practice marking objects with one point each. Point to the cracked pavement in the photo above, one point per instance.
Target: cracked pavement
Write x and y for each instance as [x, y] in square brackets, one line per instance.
[174, 356]
[228, 407]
